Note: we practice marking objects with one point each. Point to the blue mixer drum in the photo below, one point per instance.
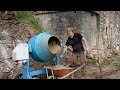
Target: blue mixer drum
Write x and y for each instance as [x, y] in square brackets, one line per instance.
[44, 47]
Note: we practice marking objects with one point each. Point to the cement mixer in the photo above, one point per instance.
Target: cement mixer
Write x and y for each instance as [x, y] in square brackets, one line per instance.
[42, 47]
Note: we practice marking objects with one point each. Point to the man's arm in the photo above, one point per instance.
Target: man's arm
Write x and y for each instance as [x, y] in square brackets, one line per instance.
[70, 48]
[64, 50]
[86, 47]
[85, 43]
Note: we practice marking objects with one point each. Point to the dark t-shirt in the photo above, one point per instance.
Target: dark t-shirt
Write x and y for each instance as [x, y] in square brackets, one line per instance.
[76, 43]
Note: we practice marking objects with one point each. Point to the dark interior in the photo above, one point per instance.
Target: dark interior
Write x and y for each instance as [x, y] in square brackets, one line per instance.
[54, 45]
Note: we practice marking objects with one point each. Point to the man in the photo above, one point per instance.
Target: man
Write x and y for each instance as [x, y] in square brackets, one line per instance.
[76, 40]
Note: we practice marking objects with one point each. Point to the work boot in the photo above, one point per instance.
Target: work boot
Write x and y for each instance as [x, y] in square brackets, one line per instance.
[75, 65]
[72, 65]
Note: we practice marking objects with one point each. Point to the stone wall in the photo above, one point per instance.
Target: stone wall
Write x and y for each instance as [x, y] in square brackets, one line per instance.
[11, 33]
[57, 23]
[104, 23]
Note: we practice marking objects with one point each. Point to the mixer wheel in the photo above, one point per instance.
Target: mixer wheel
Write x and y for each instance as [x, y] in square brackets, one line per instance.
[17, 76]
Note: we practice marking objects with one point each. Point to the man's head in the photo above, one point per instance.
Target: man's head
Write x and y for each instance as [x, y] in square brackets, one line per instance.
[70, 32]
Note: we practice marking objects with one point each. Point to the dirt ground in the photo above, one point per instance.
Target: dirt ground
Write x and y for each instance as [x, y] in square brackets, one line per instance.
[110, 68]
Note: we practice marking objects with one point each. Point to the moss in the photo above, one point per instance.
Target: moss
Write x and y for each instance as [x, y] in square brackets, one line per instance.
[117, 66]
[109, 46]
[115, 52]
[106, 62]
[92, 61]
[27, 17]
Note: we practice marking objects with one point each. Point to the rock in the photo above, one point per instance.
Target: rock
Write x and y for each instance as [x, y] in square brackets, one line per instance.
[35, 78]
[6, 69]
[32, 32]
[6, 75]
[19, 71]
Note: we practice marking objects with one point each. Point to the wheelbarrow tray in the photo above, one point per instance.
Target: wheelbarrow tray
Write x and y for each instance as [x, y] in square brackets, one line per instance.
[59, 72]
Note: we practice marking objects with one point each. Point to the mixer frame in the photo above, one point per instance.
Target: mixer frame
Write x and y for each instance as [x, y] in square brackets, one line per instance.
[29, 74]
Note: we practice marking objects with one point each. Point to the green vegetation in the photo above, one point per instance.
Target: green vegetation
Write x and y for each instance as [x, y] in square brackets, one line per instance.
[117, 66]
[109, 46]
[106, 62]
[115, 52]
[27, 17]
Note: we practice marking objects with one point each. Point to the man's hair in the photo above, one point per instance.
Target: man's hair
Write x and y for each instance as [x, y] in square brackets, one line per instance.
[70, 28]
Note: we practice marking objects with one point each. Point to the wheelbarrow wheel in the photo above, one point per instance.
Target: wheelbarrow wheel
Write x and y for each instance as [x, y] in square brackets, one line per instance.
[17, 76]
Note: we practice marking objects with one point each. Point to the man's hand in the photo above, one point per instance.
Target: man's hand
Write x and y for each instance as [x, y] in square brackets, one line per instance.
[87, 50]
[69, 48]
[61, 56]
[89, 54]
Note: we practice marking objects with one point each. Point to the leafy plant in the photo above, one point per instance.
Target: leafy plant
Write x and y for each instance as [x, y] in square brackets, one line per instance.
[28, 18]
[109, 46]
[105, 62]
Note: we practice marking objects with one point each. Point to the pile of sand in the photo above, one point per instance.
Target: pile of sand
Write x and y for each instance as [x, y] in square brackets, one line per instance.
[57, 67]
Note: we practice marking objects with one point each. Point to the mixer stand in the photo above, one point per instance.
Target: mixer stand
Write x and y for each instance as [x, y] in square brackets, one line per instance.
[27, 74]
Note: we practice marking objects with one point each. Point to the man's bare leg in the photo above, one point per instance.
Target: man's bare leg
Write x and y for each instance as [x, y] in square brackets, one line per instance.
[75, 59]
[82, 61]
